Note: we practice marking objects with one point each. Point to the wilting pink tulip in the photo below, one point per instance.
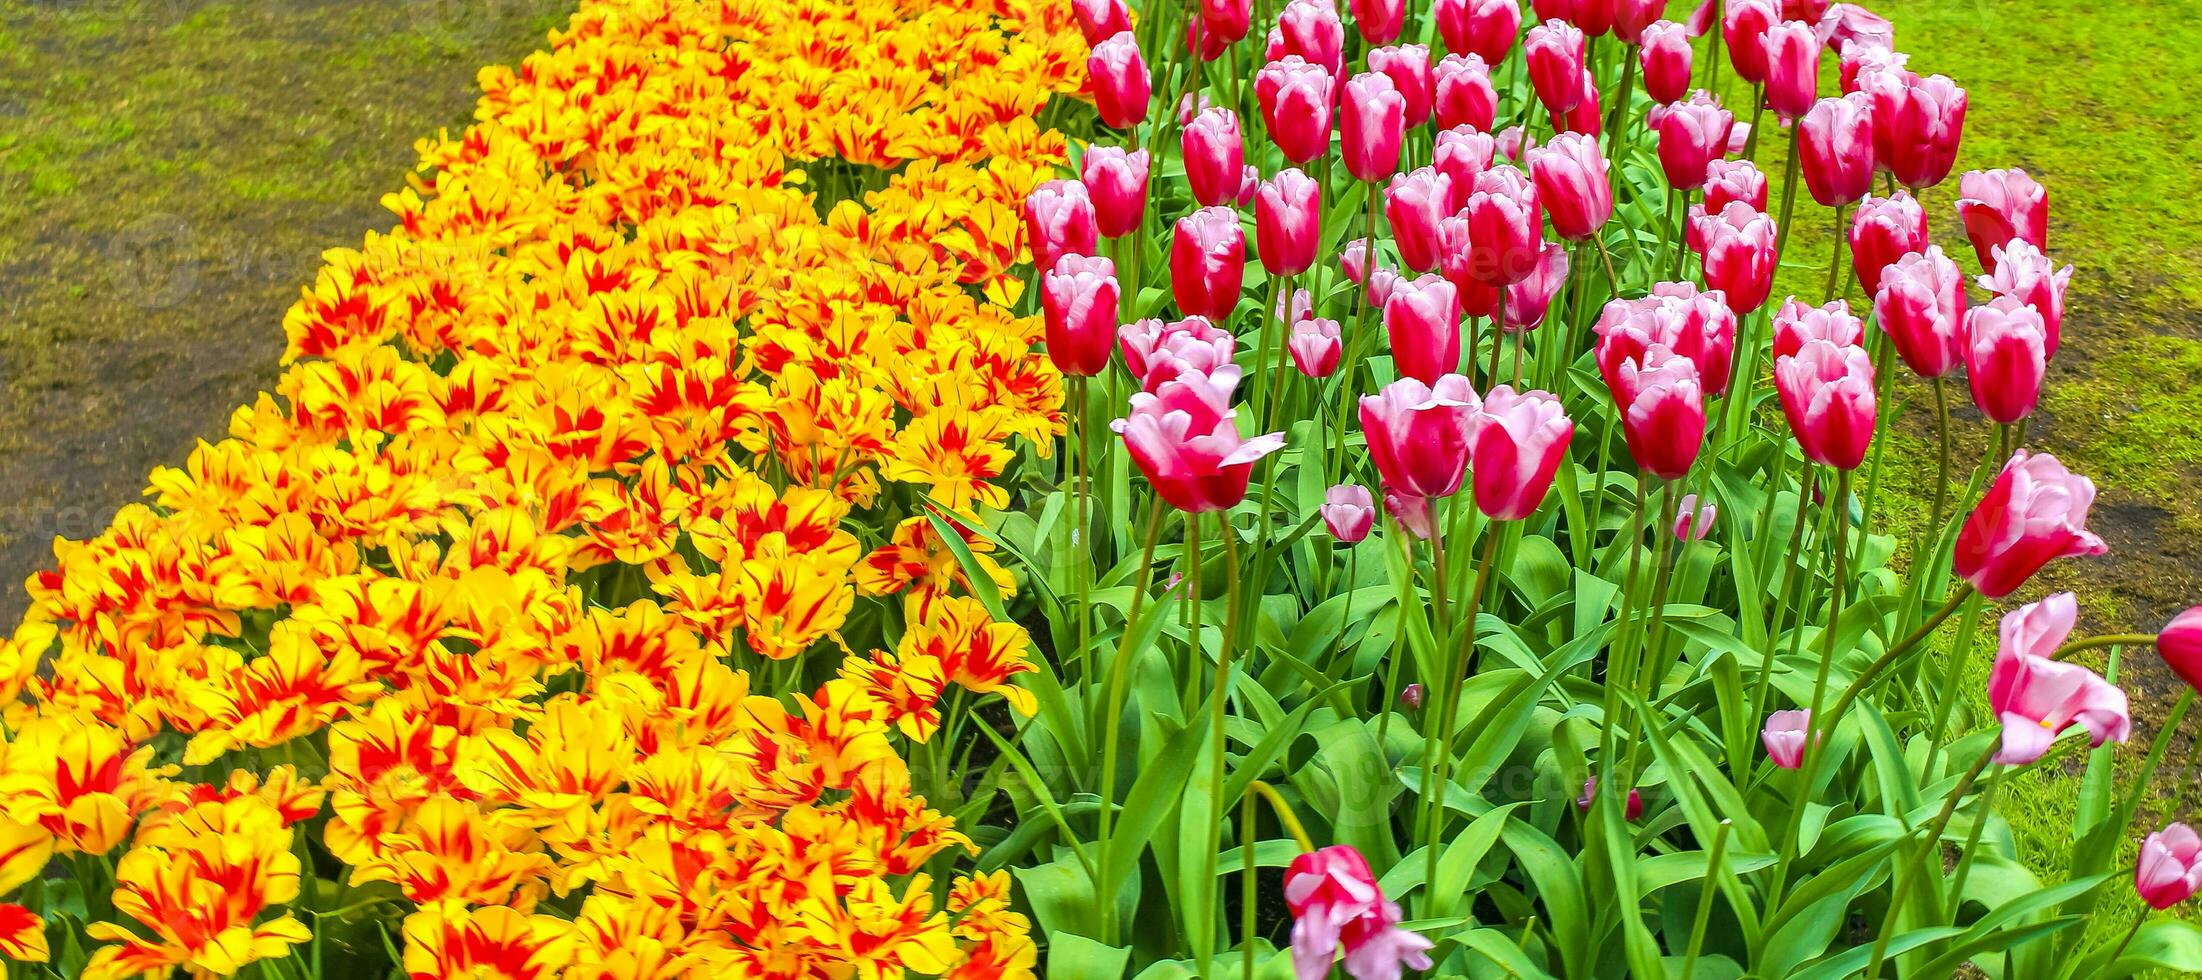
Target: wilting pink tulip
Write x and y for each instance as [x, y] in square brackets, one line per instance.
[1517, 444]
[1849, 23]
[1737, 246]
[1422, 318]
[1631, 809]
[1312, 30]
[1745, 22]
[1375, 124]
[1692, 135]
[1792, 52]
[1694, 519]
[1921, 306]
[2024, 274]
[1666, 61]
[1418, 434]
[2180, 644]
[1555, 53]
[1060, 220]
[1337, 905]
[1116, 182]
[1412, 513]
[1505, 227]
[1408, 66]
[1570, 174]
[1288, 213]
[1462, 155]
[1079, 299]
[1827, 394]
[1156, 351]
[1731, 181]
[1837, 149]
[1215, 156]
[1484, 28]
[1461, 93]
[1784, 736]
[1184, 440]
[1999, 205]
[2034, 512]
[1917, 123]
[1798, 323]
[1315, 346]
[1207, 261]
[2170, 868]
[1885, 229]
[2037, 698]
[2006, 358]
[1527, 301]
[1860, 60]
[1120, 85]
[1585, 117]
[1348, 512]
[1662, 406]
[1414, 203]
[1295, 95]
[1099, 20]
[1411, 696]
[1378, 21]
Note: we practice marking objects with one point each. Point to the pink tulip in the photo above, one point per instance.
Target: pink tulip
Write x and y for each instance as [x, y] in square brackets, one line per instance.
[1861, 60]
[1701, 20]
[1827, 394]
[1505, 225]
[1883, 231]
[1155, 351]
[1792, 53]
[1737, 246]
[1555, 53]
[1226, 21]
[1353, 260]
[1315, 346]
[1099, 20]
[1677, 316]
[1553, 9]
[1116, 182]
[1917, 124]
[1060, 220]
[1422, 318]
[2024, 274]
[1078, 298]
[2170, 867]
[1412, 513]
[1408, 66]
[1418, 434]
[2006, 358]
[1998, 206]
[1694, 519]
[1921, 305]
[1375, 124]
[1595, 17]
[1312, 30]
[1849, 23]
[1462, 155]
[1527, 301]
[1411, 697]
[1731, 181]
[1745, 22]
[1784, 736]
[1294, 307]
[1585, 117]
[1120, 84]
[1348, 512]
[1692, 135]
[1514, 141]
[1837, 150]
[1215, 156]
[1288, 212]
[1456, 262]
[1662, 406]
[2180, 644]
[1336, 904]
[1665, 58]
[1414, 203]
[1378, 21]
[1517, 444]
[2035, 512]
[2037, 698]
[1484, 28]
[1462, 94]
[1381, 283]
[1207, 261]
[1183, 437]
[1631, 18]
[1295, 96]
[1631, 809]
[1572, 184]
[1797, 324]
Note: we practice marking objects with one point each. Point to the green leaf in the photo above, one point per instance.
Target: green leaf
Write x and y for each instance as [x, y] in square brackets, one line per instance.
[1074, 957]
[1461, 856]
[1560, 889]
[2165, 944]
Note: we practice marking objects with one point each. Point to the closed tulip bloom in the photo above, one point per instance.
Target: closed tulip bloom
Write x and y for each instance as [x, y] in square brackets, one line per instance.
[1414, 203]
[1516, 445]
[1484, 28]
[1422, 318]
[1595, 17]
[2180, 644]
[1784, 736]
[1693, 520]
[1227, 21]
[1462, 154]
[1792, 54]
[1078, 298]
[1375, 124]
[1411, 696]
[1120, 85]
[1215, 156]
[1737, 246]
[1837, 150]
[1203, 41]
[1505, 226]
[1665, 58]
[1917, 123]
[1631, 18]
[1060, 220]
[1348, 512]
[1555, 53]
[1827, 394]
[2000, 205]
[1288, 211]
[2024, 274]
[1192, 342]
[2170, 867]
[1294, 307]
[1572, 184]
[1861, 59]
[1408, 66]
[1586, 118]
[1183, 437]
[1632, 806]
[2037, 698]
[1381, 283]
[1798, 323]
[1312, 30]
[1295, 95]
[1514, 141]
[2034, 512]
[1378, 21]
[1731, 181]
[2006, 358]
[1337, 906]
[1456, 262]
[1418, 434]
[1207, 261]
[1553, 9]
[1884, 230]
[1744, 23]
[1315, 346]
[1696, 324]
[1692, 135]
[1662, 406]
[1527, 301]
[1461, 93]
[1116, 182]
[1921, 306]
[1099, 20]
[1353, 260]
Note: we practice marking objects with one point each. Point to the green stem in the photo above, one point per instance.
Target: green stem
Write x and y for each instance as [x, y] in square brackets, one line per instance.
[1439, 750]
[1705, 899]
[1909, 871]
[1835, 256]
[1110, 740]
[1782, 599]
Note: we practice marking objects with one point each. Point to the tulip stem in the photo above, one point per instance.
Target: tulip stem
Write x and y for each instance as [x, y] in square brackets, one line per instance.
[1782, 598]
[1350, 365]
[1953, 674]
[1283, 810]
[1439, 743]
[1713, 858]
[1606, 257]
[1190, 607]
[1909, 871]
[1082, 485]
[1498, 337]
[2097, 642]
[1942, 432]
[1972, 840]
[1712, 66]
[1817, 725]
[1218, 697]
[2120, 949]
[1115, 684]
[1788, 190]
[1835, 256]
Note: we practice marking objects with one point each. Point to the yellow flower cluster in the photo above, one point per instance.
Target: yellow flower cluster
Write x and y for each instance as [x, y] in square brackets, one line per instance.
[472, 613]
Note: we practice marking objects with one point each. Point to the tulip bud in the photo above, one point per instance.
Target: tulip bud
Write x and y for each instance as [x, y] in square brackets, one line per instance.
[2006, 358]
[1378, 21]
[1183, 438]
[1412, 513]
[1483, 28]
[1632, 809]
[1353, 260]
[1572, 184]
[1737, 246]
[1207, 262]
[1885, 229]
[2169, 870]
[1632, 17]
[1418, 434]
[1462, 154]
[1837, 149]
[1348, 512]
[1516, 445]
[1920, 305]
[1375, 125]
[1693, 520]
[1116, 181]
[1288, 214]
[1527, 301]
[1315, 346]
[1295, 96]
[1665, 58]
[2180, 644]
[1827, 394]
[1408, 66]
[1662, 406]
[1792, 53]
[2034, 512]
[2023, 273]
[1099, 20]
[1505, 226]
[1998, 206]
[1411, 696]
[1691, 135]
[1555, 53]
[1422, 318]
[1916, 125]
[1745, 23]
[1462, 95]
[1059, 220]
[1120, 84]
[1732, 181]
[1312, 30]
[1797, 324]
[1784, 736]
[1078, 297]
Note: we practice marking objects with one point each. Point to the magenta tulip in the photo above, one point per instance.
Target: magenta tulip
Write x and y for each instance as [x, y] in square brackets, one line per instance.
[1505, 225]
[1337, 906]
[1207, 261]
[1631, 18]
[1632, 806]
[1411, 697]
[1797, 324]
[1414, 203]
[1554, 50]
[1215, 156]
[1375, 124]
[1665, 58]
[2169, 870]
[1315, 346]
[1737, 246]
[1837, 149]
[1677, 316]
[1792, 53]
[1183, 437]
[1691, 135]
[1116, 182]
[1462, 95]
[1059, 221]
[2024, 274]
[1784, 736]
[1997, 206]
[1745, 22]
[1572, 184]
[1516, 444]
[1156, 351]
[1527, 301]
[1099, 20]
[1693, 520]
[1585, 117]
[2006, 358]
[1662, 406]
[1484, 28]
[1884, 230]
[1348, 512]
[2180, 644]
[1462, 154]
[1827, 395]
[1921, 306]
[1595, 17]
[1862, 59]
[1422, 318]
[1312, 30]
[1418, 434]
[1378, 21]
[1295, 95]
[1849, 23]
[2035, 512]
[1731, 181]
[1408, 66]
[1917, 124]
[1078, 299]
[2037, 698]
[1120, 84]
[1288, 212]
[1225, 22]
